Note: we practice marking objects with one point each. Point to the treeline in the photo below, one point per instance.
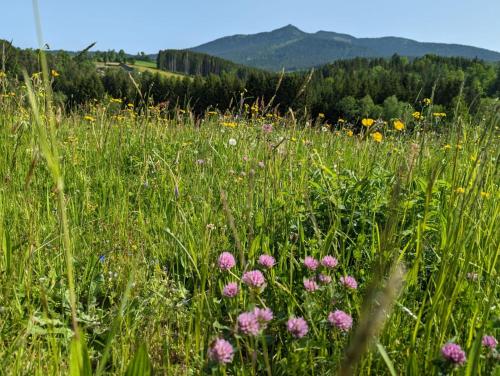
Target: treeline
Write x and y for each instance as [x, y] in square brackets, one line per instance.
[350, 89]
[199, 64]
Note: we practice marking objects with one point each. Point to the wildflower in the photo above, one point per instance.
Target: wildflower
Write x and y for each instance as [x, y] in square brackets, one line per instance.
[471, 276]
[211, 227]
[200, 162]
[311, 263]
[102, 258]
[417, 115]
[254, 279]
[321, 115]
[248, 324]
[261, 164]
[485, 194]
[329, 262]
[230, 124]
[427, 101]
[453, 353]
[230, 290]
[130, 105]
[232, 142]
[266, 261]
[263, 315]
[349, 282]
[221, 351]
[267, 128]
[439, 114]
[367, 122]
[325, 279]
[89, 118]
[341, 320]
[399, 125]
[490, 342]
[340, 120]
[297, 327]
[447, 146]
[460, 190]
[54, 73]
[377, 136]
[350, 133]
[310, 285]
[116, 100]
[226, 261]
[2, 75]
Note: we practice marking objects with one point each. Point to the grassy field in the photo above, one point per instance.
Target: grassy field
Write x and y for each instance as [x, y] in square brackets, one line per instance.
[143, 66]
[118, 221]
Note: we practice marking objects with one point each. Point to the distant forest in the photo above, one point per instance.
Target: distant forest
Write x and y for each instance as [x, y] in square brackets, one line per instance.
[350, 89]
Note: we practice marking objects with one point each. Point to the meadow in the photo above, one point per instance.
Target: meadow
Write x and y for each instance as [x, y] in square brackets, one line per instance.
[136, 241]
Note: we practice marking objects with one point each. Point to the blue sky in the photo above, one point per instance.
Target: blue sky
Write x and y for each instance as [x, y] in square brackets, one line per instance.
[147, 25]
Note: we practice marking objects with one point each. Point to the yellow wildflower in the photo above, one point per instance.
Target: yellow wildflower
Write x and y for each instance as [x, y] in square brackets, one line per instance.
[130, 105]
[399, 125]
[230, 124]
[321, 115]
[439, 114]
[377, 136]
[460, 190]
[447, 146]
[89, 118]
[54, 73]
[427, 101]
[350, 133]
[367, 122]
[2, 74]
[485, 194]
[341, 120]
[417, 115]
[116, 100]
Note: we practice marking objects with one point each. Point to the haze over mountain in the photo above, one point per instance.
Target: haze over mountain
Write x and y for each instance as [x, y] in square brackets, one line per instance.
[293, 49]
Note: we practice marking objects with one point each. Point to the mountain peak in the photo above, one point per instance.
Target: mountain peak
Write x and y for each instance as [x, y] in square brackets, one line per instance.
[289, 27]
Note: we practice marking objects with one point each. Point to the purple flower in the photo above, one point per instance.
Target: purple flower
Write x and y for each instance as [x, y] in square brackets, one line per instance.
[311, 263]
[325, 279]
[230, 290]
[221, 351]
[489, 341]
[453, 353]
[341, 320]
[267, 128]
[226, 261]
[349, 282]
[329, 262]
[266, 261]
[254, 279]
[310, 285]
[248, 323]
[200, 162]
[264, 315]
[297, 327]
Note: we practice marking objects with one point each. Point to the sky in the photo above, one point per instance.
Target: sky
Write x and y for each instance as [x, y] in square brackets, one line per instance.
[147, 25]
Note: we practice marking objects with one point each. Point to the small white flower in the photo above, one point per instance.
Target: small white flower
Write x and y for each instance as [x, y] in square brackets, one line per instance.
[232, 142]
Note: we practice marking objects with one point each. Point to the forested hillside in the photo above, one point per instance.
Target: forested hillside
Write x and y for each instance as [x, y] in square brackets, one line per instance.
[293, 49]
[350, 88]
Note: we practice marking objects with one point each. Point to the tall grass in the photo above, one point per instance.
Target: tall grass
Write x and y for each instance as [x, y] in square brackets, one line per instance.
[142, 206]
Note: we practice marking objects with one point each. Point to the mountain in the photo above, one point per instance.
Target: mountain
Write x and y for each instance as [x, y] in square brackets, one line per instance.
[294, 49]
